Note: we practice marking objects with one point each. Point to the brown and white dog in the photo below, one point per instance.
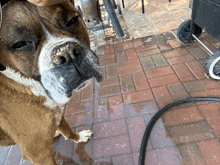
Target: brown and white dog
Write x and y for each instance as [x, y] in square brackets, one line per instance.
[44, 57]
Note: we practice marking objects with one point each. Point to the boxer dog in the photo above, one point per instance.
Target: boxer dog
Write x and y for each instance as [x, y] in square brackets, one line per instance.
[44, 57]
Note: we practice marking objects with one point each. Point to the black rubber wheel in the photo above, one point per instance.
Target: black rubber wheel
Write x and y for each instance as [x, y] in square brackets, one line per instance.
[213, 66]
[184, 30]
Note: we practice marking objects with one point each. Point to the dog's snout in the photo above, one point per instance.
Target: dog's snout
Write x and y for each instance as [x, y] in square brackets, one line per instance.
[77, 50]
[60, 58]
[66, 52]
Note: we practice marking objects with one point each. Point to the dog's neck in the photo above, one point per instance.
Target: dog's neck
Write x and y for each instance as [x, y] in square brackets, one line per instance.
[26, 85]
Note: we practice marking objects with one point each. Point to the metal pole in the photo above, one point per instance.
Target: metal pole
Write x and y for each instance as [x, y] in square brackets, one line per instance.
[202, 44]
[113, 17]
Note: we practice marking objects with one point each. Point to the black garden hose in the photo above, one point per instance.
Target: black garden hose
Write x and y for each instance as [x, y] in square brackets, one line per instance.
[158, 114]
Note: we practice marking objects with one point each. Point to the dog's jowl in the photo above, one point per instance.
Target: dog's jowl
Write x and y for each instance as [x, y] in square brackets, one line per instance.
[44, 57]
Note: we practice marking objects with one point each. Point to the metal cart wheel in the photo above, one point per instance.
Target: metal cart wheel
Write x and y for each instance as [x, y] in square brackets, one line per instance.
[183, 31]
[213, 66]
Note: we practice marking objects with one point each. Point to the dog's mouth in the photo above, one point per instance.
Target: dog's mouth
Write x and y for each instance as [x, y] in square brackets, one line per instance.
[80, 87]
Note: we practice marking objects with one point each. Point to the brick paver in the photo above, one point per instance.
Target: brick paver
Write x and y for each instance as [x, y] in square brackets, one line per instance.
[142, 75]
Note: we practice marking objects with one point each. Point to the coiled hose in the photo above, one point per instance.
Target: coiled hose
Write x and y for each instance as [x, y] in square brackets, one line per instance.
[158, 114]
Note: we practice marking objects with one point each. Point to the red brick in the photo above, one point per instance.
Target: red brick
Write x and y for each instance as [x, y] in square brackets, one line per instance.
[111, 146]
[182, 59]
[112, 71]
[169, 35]
[207, 93]
[159, 60]
[138, 96]
[106, 57]
[76, 97]
[108, 82]
[215, 125]
[79, 119]
[87, 92]
[147, 63]
[127, 84]
[138, 42]
[178, 116]
[121, 57]
[101, 112]
[136, 135]
[131, 54]
[129, 70]
[149, 52]
[164, 156]
[190, 133]
[140, 81]
[116, 107]
[100, 51]
[178, 91]
[108, 129]
[183, 72]
[175, 43]
[123, 159]
[108, 91]
[164, 80]
[150, 156]
[197, 69]
[211, 47]
[139, 109]
[107, 62]
[129, 63]
[190, 154]
[79, 107]
[144, 48]
[179, 52]
[164, 46]
[157, 72]
[210, 111]
[109, 49]
[200, 85]
[162, 95]
[198, 52]
[103, 71]
[119, 44]
[128, 45]
[210, 149]
[159, 138]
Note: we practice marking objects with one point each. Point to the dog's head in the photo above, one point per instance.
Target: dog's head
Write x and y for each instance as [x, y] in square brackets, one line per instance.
[48, 44]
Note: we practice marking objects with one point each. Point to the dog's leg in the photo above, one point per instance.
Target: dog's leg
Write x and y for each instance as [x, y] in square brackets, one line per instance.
[66, 131]
[32, 128]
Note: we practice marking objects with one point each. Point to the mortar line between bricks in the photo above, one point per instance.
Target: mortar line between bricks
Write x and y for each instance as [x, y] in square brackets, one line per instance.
[206, 120]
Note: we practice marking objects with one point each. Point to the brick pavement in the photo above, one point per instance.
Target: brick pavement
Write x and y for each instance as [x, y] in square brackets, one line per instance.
[142, 75]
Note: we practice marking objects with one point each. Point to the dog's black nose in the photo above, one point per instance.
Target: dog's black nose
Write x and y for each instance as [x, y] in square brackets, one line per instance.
[66, 52]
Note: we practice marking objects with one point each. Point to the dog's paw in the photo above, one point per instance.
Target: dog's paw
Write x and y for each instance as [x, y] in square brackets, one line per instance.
[84, 136]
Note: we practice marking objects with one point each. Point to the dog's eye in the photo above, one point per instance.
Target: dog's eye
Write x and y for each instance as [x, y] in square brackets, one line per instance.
[21, 44]
[72, 21]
